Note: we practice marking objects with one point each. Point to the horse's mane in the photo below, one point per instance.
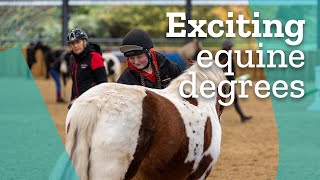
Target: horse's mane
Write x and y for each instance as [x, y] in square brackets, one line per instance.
[212, 73]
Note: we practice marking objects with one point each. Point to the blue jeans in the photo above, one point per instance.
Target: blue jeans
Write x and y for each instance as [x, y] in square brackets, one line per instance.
[56, 77]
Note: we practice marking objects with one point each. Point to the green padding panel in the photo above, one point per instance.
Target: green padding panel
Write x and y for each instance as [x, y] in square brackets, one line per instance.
[298, 128]
[30, 143]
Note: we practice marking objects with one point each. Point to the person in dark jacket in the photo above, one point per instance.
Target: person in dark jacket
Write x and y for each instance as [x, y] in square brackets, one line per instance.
[227, 45]
[87, 67]
[146, 67]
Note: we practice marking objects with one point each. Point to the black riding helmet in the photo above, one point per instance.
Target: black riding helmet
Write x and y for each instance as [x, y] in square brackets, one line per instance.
[135, 43]
[77, 34]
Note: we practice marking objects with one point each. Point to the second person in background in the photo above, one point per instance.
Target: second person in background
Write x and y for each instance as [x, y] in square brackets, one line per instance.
[87, 67]
[146, 67]
[227, 45]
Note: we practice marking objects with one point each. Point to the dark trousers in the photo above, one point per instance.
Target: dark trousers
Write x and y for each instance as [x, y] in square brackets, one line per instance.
[236, 102]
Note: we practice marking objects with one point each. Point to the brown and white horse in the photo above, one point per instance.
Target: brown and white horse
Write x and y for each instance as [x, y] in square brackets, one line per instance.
[117, 131]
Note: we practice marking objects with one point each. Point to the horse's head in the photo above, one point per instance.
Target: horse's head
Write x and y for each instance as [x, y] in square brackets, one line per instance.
[191, 49]
[109, 59]
[112, 65]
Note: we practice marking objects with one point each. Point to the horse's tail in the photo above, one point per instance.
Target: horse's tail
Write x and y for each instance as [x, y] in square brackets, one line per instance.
[81, 121]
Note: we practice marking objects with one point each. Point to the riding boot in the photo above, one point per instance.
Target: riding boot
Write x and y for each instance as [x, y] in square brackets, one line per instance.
[59, 98]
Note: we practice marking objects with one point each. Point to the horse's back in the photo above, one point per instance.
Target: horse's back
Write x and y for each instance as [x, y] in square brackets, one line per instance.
[114, 101]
